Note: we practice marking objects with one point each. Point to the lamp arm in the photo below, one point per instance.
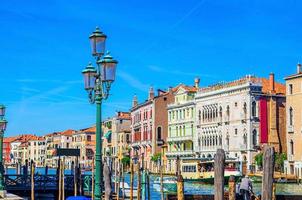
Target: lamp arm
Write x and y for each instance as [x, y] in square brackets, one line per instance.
[91, 96]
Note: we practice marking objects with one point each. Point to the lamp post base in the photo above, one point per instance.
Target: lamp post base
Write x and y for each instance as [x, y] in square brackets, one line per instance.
[3, 193]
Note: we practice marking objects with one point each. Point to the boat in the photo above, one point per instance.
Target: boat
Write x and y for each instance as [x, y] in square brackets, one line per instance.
[125, 191]
[202, 170]
[169, 184]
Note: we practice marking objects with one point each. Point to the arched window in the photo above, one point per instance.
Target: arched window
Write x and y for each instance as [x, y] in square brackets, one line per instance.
[228, 140]
[244, 108]
[199, 115]
[254, 137]
[254, 109]
[220, 112]
[244, 139]
[176, 131]
[291, 116]
[158, 133]
[127, 138]
[291, 147]
[228, 112]
[184, 130]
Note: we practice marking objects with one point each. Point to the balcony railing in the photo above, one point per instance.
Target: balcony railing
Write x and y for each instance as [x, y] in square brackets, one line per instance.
[180, 138]
[290, 129]
[180, 153]
[291, 158]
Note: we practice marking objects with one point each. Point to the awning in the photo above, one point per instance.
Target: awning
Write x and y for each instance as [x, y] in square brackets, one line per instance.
[108, 135]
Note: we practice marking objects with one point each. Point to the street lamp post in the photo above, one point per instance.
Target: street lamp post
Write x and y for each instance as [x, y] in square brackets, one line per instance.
[3, 124]
[97, 84]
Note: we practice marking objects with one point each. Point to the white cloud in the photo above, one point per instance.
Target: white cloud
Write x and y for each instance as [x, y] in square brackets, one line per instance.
[134, 82]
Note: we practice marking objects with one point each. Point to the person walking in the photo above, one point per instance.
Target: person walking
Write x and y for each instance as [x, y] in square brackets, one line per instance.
[246, 188]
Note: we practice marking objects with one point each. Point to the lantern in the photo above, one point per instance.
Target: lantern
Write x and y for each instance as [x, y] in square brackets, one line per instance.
[89, 74]
[2, 110]
[97, 42]
[108, 68]
[3, 124]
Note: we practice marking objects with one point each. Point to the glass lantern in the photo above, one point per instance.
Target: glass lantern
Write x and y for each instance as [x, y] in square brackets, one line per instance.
[3, 124]
[89, 74]
[2, 110]
[108, 68]
[97, 42]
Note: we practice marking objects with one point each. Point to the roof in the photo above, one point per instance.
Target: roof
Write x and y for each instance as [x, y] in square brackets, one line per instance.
[279, 87]
[297, 75]
[185, 87]
[91, 129]
[10, 139]
[264, 82]
[123, 115]
[26, 138]
[68, 132]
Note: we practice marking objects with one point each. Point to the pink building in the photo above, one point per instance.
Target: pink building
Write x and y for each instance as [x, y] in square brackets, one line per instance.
[141, 129]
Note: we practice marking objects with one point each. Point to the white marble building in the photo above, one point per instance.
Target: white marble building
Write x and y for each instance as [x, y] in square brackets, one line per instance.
[227, 117]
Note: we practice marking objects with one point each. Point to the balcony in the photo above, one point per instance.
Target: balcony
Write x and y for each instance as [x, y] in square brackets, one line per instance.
[184, 153]
[290, 158]
[180, 138]
[290, 129]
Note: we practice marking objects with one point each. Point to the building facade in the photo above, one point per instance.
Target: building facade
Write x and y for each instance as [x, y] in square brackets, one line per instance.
[36, 151]
[293, 165]
[115, 129]
[181, 127]
[85, 141]
[142, 129]
[240, 117]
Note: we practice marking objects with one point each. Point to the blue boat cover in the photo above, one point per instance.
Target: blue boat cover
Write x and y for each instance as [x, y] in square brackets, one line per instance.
[78, 198]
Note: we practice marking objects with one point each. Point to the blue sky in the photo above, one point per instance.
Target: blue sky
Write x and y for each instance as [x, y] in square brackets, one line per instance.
[44, 47]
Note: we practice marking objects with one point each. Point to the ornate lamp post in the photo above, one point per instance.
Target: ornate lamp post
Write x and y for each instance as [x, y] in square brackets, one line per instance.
[3, 124]
[97, 84]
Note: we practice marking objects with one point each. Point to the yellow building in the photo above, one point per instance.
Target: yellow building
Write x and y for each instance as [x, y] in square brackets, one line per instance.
[294, 123]
[85, 141]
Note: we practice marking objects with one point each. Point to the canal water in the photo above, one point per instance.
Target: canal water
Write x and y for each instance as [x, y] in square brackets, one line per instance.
[192, 188]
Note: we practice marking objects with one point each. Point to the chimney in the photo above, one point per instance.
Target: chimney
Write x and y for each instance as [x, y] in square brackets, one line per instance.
[299, 68]
[272, 82]
[151, 93]
[134, 101]
[196, 82]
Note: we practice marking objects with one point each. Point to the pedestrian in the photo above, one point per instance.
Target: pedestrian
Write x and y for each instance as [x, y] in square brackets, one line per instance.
[246, 188]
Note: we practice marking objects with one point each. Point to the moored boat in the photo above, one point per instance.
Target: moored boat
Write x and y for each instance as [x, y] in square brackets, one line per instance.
[169, 184]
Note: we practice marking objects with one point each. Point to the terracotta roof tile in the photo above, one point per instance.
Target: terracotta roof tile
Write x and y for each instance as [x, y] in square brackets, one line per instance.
[68, 132]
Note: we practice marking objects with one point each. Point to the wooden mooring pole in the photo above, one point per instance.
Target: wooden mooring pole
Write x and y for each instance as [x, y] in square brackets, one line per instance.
[32, 175]
[139, 183]
[75, 177]
[107, 180]
[219, 174]
[148, 185]
[232, 188]
[60, 179]
[131, 180]
[118, 180]
[268, 173]
[180, 182]
[123, 182]
[62, 176]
